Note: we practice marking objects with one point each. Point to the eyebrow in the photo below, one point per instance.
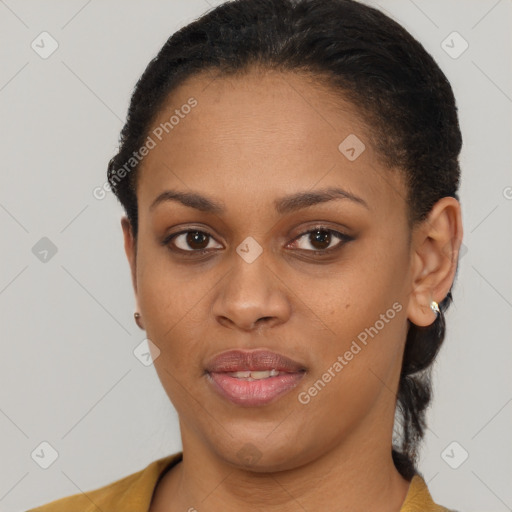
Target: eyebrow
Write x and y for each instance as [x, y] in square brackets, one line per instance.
[282, 205]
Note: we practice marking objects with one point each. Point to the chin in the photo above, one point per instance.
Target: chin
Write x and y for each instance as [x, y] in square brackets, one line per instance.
[260, 454]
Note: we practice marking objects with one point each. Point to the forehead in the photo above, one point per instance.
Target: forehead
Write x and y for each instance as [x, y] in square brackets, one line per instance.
[260, 133]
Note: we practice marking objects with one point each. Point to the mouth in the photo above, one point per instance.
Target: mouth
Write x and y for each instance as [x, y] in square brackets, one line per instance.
[253, 378]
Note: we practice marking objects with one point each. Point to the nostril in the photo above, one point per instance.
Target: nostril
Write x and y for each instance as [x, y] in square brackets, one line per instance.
[263, 319]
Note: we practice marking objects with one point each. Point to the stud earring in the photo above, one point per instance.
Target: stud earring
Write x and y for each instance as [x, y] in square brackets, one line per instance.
[138, 321]
[434, 306]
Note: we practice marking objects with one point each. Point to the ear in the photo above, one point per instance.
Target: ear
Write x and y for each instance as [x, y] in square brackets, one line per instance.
[130, 248]
[434, 251]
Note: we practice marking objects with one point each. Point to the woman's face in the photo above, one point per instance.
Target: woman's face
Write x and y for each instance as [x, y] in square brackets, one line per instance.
[264, 149]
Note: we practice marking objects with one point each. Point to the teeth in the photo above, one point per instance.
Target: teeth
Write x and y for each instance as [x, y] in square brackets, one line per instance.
[256, 375]
[260, 375]
[241, 375]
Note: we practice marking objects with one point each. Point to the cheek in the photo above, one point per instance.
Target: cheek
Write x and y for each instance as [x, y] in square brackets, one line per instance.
[166, 292]
[354, 373]
[170, 306]
[353, 295]
[363, 309]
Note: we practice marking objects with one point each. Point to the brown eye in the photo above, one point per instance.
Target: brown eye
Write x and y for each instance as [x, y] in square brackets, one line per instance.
[196, 239]
[190, 241]
[320, 240]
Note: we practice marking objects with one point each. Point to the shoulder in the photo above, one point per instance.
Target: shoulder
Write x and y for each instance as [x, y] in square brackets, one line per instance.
[132, 492]
[419, 499]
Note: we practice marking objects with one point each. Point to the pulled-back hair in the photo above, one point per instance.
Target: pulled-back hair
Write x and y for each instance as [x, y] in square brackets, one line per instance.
[404, 99]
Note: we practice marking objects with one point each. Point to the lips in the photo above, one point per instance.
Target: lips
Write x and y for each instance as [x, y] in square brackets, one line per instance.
[261, 360]
[253, 378]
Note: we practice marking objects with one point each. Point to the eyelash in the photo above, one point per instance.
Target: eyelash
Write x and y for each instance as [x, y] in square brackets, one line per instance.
[194, 253]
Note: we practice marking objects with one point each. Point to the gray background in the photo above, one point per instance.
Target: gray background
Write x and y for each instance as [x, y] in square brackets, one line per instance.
[68, 373]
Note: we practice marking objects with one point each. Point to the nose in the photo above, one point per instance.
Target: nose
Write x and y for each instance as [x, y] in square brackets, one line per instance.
[251, 296]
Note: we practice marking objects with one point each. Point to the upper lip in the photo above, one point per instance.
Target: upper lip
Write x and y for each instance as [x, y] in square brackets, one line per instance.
[253, 360]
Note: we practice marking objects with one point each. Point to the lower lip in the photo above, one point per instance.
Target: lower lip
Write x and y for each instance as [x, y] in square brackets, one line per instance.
[256, 392]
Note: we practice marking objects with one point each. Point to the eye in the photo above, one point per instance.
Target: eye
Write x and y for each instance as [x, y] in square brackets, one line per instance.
[197, 240]
[321, 239]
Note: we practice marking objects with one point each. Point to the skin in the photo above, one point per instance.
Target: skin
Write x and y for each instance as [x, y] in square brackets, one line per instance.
[251, 140]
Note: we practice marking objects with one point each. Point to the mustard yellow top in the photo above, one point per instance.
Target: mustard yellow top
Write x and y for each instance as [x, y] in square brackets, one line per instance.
[134, 492]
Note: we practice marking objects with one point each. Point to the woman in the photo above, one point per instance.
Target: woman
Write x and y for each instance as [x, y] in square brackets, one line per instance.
[289, 171]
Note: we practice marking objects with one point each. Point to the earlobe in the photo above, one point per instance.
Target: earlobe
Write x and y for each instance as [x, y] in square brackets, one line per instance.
[434, 252]
[138, 320]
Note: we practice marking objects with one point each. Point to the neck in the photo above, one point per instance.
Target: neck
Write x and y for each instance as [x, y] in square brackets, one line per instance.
[356, 475]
